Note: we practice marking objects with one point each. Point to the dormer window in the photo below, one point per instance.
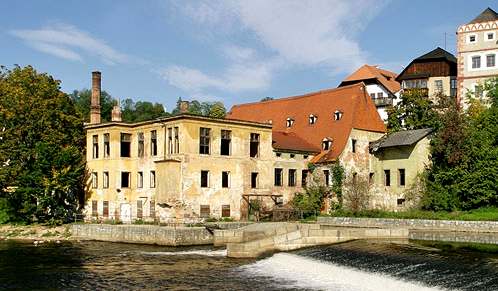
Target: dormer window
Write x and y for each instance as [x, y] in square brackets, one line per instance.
[313, 118]
[290, 122]
[337, 115]
[326, 144]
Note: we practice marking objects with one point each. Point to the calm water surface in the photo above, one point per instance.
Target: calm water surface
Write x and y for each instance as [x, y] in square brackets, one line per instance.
[356, 265]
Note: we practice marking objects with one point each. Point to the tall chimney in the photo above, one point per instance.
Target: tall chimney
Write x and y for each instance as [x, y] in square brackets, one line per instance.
[95, 102]
[116, 112]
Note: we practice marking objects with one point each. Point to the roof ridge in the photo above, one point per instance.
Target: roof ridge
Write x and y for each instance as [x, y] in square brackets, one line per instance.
[361, 84]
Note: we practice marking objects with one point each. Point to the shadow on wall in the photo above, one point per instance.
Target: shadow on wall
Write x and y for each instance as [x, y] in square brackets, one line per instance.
[395, 153]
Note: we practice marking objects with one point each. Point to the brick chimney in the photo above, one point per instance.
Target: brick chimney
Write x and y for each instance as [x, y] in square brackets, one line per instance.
[95, 102]
[184, 106]
[116, 112]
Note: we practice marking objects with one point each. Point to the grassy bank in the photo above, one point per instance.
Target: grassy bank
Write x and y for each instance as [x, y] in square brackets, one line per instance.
[34, 232]
[487, 213]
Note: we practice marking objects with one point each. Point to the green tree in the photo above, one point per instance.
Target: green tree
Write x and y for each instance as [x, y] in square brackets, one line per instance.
[266, 99]
[141, 110]
[82, 99]
[42, 165]
[210, 109]
[414, 111]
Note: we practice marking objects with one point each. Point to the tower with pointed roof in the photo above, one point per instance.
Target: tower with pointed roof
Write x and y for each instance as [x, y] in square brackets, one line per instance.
[477, 49]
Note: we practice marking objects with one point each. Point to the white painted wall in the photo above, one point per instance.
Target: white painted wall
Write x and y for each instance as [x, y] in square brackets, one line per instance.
[376, 89]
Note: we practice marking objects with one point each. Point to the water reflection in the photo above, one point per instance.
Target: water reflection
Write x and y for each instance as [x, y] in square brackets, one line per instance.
[357, 265]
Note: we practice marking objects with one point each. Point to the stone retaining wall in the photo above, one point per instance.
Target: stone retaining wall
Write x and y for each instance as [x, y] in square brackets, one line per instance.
[412, 224]
[145, 234]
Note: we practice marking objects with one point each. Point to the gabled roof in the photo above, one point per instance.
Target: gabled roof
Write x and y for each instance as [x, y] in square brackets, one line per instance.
[358, 111]
[438, 54]
[400, 138]
[487, 15]
[289, 141]
[367, 72]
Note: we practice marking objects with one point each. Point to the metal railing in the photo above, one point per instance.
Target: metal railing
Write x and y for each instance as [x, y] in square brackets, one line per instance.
[383, 101]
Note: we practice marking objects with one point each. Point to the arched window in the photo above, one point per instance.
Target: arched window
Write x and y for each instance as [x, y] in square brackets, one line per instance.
[313, 118]
[290, 122]
[337, 115]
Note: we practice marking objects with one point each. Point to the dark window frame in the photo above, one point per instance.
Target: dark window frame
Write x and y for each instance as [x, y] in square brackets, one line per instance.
[204, 141]
[292, 178]
[153, 143]
[254, 145]
[125, 145]
[226, 142]
[125, 174]
[225, 179]
[95, 146]
[254, 180]
[401, 177]
[387, 178]
[204, 179]
[141, 144]
[278, 177]
[107, 145]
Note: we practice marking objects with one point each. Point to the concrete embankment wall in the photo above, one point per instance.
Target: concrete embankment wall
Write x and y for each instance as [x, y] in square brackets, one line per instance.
[412, 224]
[255, 240]
[145, 234]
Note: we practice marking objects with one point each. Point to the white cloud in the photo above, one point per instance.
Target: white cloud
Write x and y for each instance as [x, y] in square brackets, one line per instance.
[309, 33]
[67, 42]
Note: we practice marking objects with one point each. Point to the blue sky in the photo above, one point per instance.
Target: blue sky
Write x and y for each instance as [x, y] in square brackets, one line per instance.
[230, 51]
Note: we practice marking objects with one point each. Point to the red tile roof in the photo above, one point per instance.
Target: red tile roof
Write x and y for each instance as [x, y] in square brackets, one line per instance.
[291, 141]
[358, 111]
[367, 72]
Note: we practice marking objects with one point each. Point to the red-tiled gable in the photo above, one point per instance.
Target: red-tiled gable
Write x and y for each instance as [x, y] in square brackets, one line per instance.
[291, 141]
[358, 111]
[366, 72]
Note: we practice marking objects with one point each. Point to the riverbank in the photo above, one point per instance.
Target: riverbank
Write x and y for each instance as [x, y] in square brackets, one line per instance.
[35, 232]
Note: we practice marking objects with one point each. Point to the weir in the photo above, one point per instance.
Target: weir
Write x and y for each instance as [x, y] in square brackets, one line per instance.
[257, 239]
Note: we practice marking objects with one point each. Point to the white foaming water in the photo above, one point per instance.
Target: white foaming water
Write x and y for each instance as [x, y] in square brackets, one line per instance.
[208, 253]
[295, 271]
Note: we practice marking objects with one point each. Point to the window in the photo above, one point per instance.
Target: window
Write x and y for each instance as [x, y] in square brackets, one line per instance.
[400, 201]
[401, 177]
[305, 157]
[152, 179]
[140, 179]
[326, 144]
[292, 156]
[438, 86]
[490, 60]
[278, 154]
[205, 211]
[312, 119]
[139, 209]
[153, 142]
[152, 209]
[254, 180]
[170, 140]
[95, 181]
[326, 174]
[372, 95]
[107, 146]
[278, 177]
[490, 36]
[95, 140]
[476, 62]
[380, 95]
[387, 177]
[226, 139]
[204, 140]
[125, 179]
[95, 210]
[105, 209]
[106, 180]
[125, 145]
[254, 146]
[225, 179]
[337, 115]
[304, 178]
[292, 178]
[472, 38]
[478, 91]
[225, 210]
[353, 145]
[141, 144]
[371, 178]
[204, 179]
[290, 122]
[355, 178]
[177, 140]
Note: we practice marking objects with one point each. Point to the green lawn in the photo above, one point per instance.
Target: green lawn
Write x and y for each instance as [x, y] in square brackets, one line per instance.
[487, 213]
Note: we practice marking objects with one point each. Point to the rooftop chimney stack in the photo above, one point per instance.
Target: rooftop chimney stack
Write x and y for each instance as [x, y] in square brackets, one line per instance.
[184, 106]
[116, 112]
[95, 102]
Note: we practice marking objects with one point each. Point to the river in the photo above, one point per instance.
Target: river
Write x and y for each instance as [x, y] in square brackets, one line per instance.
[355, 265]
